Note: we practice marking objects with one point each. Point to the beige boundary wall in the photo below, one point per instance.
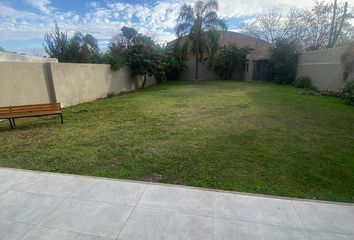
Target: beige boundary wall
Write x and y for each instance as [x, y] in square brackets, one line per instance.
[325, 68]
[15, 57]
[67, 83]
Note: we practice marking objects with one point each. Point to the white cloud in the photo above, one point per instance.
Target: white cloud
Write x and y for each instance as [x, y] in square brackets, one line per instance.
[240, 8]
[41, 5]
[7, 11]
[105, 18]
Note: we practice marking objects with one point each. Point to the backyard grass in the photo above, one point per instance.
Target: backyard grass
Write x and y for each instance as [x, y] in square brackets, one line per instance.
[248, 137]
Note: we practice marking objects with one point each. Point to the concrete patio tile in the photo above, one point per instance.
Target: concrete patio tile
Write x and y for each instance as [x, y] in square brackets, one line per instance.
[181, 200]
[27, 207]
[326, 217]
[330, 236]
[6, 175]
[95, 218]
[41, 233]
[10, 230]
[11, 179]
[151, 224]
[52, 184]
[256, 210]
[226, 229]
[117, 192]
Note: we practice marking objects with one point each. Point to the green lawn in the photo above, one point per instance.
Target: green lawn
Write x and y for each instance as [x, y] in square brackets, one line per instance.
[249, 137]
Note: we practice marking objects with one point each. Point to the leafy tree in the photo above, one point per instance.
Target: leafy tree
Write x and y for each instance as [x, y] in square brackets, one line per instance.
[129, 37]
[347, 94]
[140, 53]
[175, 60]
[115, 61]
[138, 58]
[81, 48]
[284, 58]
[57, 44]
[227, 60]
[197, 22]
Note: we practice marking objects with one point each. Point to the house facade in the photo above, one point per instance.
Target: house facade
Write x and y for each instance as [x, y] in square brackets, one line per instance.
[255, 67]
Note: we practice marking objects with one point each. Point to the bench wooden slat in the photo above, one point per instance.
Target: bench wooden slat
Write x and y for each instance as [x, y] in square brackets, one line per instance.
[30, 108]
[34, 114]
[35, 110]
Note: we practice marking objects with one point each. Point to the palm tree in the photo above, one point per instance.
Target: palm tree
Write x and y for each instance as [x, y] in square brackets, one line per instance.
[199, 23]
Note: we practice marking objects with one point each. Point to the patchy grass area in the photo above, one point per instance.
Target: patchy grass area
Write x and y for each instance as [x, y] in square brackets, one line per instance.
[259, 138]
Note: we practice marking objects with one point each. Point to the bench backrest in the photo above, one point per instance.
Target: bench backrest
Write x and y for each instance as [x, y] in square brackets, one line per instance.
[47, 107]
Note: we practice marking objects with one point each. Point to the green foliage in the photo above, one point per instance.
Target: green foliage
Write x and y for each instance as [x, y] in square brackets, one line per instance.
[303, 82]
[175, 60]
[115, 61]
[129, 37]
[228, 59]
[110, 95]
[347, 94]
[138, 59]
[284, 58]
[81, 48]
[199, 23]
[138, 51]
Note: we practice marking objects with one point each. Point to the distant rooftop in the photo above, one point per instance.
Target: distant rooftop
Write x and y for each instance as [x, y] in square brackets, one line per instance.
[259, 47]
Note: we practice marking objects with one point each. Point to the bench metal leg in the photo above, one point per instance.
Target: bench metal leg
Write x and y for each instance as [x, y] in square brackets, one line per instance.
[61, 117]
[11, 123]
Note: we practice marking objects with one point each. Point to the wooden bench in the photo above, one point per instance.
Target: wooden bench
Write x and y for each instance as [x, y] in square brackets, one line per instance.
[36, 110]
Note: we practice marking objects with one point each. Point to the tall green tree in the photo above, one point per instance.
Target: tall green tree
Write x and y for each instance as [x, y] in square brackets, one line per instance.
[198, 23]
[81, 48]
[129, 37]
[56, 44]
[175, 57]
[284, 59]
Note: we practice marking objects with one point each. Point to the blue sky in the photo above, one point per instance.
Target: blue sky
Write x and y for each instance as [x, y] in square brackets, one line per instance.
[23, 23]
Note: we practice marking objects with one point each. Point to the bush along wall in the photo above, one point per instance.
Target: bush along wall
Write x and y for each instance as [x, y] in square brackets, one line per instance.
[305, 83]
[347, 94]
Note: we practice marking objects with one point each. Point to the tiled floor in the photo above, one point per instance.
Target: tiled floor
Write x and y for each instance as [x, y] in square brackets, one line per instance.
[44, 206]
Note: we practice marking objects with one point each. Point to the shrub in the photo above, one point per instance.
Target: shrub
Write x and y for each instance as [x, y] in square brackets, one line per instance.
[110, 95]
[284, 58]
[115, 61]
[303, 82]
[228, 58]
[347, 94]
